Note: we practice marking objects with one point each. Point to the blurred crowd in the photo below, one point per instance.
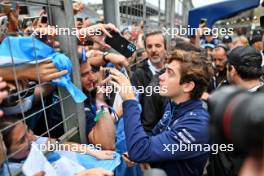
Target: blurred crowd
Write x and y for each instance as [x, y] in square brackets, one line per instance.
[139, 127]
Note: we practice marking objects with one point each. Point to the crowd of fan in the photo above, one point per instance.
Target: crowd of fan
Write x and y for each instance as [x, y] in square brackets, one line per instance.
[137, 126]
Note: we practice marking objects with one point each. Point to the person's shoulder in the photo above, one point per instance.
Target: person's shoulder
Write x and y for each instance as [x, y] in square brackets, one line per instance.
[13, 167]
[199, 111]
[142, 70]
[142, 65]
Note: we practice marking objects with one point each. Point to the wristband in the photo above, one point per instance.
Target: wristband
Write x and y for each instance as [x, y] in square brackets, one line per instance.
[100, 112]
[104, 55]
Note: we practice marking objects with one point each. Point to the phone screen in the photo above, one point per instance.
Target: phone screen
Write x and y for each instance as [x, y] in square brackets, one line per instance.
[120, 44]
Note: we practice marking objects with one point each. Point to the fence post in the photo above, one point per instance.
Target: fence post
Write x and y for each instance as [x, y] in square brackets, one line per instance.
[144, 13]
[169, 18]
[159, 15]
[111, 12]
[68, 43]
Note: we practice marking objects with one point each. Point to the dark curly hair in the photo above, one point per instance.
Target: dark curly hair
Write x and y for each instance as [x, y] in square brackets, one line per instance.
[194, 67]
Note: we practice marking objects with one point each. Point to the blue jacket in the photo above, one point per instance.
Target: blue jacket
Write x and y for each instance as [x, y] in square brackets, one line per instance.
[185, 123]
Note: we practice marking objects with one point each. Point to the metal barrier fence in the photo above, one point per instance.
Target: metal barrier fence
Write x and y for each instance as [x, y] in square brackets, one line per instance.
[72, 124]
[142, 11]
[122, 13]
[157, 14]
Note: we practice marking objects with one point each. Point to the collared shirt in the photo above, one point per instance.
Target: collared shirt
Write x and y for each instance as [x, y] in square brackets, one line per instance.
[254, 89]
[153, 69]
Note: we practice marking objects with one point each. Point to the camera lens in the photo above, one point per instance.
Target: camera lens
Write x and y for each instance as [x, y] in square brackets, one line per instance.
[237, 117]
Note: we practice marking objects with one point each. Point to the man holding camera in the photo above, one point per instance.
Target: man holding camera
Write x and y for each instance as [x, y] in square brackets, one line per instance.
[243, 70]
[184, 122]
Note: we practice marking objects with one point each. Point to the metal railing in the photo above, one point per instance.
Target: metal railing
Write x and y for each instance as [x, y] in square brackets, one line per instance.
[60, 13]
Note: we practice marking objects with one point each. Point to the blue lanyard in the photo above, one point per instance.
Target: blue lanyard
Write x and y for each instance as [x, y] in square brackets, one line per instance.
[83, 55]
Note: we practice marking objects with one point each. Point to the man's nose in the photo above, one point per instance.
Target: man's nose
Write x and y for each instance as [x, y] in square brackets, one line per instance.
[153, 49]
[91, 77]
[161, 77]
[217, 62]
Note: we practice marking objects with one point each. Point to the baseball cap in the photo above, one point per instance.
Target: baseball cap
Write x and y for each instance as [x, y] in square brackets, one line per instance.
[227, 39]
[256, 38]
[208, 45]
[243, 56]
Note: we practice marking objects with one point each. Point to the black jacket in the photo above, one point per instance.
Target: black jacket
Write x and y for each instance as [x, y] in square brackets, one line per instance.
[152, 106]
[142, 75]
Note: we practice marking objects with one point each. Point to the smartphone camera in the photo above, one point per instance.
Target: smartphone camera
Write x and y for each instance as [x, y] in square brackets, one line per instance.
[131, 48]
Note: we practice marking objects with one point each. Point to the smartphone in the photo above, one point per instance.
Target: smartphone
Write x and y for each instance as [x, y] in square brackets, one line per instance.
[44, 9]
[203, 22]
[107, 85]
[79, 19]
[14, 6]
[120, 44]
[44, 19]
[262, 21]
[23, 10]
[106, 73]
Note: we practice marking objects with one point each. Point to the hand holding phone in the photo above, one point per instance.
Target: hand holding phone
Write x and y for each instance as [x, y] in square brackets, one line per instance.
[120, 44]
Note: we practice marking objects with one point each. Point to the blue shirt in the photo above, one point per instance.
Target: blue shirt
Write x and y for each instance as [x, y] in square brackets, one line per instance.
[185, 123]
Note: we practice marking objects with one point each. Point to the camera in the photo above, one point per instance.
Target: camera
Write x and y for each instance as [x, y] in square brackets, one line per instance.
[237, 117]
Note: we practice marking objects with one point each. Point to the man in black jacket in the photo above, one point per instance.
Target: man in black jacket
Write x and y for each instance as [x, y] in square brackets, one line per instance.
[155, 46]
